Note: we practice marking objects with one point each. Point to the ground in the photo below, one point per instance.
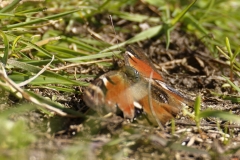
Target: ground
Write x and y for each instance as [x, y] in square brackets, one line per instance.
[188, 65]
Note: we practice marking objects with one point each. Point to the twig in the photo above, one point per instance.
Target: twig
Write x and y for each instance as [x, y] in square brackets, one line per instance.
[95, 34]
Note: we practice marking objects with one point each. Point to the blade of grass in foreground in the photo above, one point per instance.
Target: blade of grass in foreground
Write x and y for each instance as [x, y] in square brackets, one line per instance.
[41, 80]
[135, 17]
[50, 74]
[64, 52]
[31, 45]
[169, 26]
[179, 16]
[23, 108]
[33, 10]
[147, 34]
[81, 45]
[197, 107]
[90, 57]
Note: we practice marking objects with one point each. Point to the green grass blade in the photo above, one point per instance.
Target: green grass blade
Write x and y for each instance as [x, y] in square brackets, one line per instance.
[15, 43]
[167, 38]
[34, 10]
[7, 15]
[90, 57]
[220, 114]
[81, 45]
[136, 17]
[64, 52]
[236, 53]
[232, 84]
[6, 48]
[232, 98]
[221, 51]
[43, 80]
[229, 48]
[40, 20]
[10, 7]
[208, 10]
[31, 45]
[147, 34]
[197, 107]
[189, 19]
[179, 16]
[34, 69]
